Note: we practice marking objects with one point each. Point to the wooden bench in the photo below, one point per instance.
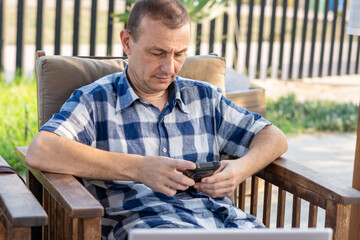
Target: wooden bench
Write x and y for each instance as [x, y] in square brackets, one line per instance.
[19, 209]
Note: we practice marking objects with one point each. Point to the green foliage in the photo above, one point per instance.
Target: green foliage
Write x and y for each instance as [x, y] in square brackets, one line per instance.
[198, 10]
[292, 116]
[18, 119]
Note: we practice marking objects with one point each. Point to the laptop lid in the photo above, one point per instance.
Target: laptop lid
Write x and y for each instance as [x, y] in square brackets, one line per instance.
[231, 234]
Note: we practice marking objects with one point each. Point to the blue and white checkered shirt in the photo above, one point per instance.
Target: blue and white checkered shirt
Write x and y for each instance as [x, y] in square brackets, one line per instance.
[197, 124]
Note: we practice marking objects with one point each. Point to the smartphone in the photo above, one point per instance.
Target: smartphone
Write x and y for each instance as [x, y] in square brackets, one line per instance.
[202, 170]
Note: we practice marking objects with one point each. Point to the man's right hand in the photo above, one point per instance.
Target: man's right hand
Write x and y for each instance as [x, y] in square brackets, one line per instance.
[162, 174]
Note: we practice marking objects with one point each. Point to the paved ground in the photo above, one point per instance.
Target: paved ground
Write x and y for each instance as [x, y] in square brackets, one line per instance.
[329, 154]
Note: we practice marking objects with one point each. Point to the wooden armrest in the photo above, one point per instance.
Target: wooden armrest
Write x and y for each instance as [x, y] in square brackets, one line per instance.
[308, 184]
[66, 190]
[17, 203]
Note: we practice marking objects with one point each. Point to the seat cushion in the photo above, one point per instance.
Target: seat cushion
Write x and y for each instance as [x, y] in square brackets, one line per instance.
[59, 76]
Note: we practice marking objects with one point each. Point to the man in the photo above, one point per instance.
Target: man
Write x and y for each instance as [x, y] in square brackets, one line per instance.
[130, 135]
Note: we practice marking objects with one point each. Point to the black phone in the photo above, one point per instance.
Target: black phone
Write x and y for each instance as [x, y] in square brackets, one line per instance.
[202, 170]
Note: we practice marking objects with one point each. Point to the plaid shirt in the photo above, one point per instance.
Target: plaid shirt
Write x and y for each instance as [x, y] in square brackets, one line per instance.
[197, 124]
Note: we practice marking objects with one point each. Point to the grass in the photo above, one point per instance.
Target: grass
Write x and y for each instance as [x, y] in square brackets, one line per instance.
[17, 129]
[18, 121]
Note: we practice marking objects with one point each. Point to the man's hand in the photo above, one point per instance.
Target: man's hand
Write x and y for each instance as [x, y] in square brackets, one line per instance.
[223, 182]
[162, 174]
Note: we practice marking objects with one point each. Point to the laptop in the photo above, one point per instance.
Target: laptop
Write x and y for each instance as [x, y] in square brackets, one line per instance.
[232, 234]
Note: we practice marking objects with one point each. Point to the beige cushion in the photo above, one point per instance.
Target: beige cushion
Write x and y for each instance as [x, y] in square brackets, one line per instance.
[59, 76]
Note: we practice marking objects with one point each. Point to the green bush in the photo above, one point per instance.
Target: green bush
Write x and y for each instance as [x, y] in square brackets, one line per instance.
[292, 116]
[18, 119]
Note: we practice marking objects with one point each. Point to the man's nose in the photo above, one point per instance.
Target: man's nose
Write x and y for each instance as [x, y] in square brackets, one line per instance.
[168, 65]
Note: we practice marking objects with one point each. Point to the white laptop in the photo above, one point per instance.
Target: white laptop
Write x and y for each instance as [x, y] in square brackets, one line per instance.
[231, 234]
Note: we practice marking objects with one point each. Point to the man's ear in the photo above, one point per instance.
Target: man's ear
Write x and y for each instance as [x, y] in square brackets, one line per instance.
[125, 38]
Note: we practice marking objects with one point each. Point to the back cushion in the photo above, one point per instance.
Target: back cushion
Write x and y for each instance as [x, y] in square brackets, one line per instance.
[59, 76]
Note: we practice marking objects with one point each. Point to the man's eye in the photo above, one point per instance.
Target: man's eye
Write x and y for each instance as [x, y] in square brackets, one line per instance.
[179, 54]
[156, 54]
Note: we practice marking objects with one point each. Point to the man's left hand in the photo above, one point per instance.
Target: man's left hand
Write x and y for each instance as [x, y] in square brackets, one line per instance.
[223, 182]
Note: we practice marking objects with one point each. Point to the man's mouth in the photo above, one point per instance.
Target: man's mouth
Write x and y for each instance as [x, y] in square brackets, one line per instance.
[164, 78]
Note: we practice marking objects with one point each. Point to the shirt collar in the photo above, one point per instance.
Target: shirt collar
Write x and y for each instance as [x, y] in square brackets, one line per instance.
[178, 97]
[126, 94]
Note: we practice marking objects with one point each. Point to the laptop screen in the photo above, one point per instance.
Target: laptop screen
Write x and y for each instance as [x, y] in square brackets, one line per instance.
[231, 234]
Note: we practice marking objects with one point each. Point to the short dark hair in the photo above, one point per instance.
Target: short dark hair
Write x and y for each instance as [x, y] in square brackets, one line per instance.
[170, 12]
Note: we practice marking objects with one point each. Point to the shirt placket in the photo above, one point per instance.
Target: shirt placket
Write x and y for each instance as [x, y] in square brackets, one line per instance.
[164, 142]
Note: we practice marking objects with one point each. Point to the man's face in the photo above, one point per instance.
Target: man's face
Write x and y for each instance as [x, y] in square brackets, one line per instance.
[157, 55]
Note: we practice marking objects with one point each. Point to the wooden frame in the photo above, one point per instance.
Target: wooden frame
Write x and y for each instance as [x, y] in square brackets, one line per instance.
[78, 216]
[21, 215]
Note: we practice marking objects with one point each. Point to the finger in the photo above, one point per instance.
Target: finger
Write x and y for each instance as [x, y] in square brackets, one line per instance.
[224, 192]
[214, 186]
[221, 168]
[182, 164]
[180, 169]
[216, 177]
[182, 179]
[166, 190]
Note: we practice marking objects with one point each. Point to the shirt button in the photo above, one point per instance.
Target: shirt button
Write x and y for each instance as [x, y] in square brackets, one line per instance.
[143, 108]
[164, 150]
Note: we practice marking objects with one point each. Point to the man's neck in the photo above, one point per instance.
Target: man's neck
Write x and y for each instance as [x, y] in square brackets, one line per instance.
[158, 99]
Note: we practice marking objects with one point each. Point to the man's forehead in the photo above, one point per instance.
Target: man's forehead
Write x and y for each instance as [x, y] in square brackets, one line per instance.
[147, 21]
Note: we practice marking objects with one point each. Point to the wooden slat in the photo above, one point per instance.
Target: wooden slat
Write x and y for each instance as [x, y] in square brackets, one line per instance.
[92, 228]
[293, 36]
[37, 190]
[254, 195]
[75, 228]
[334, 21]
[312, 216]
[295, 223]
[241, 196]
[267, 204]
[52, 216]
[334, 212]
[281, 208]
[59, 222]
[62, 188]
[3, 226]
[342, 35]
[20, 34]
[20, 233]
[68, 227]
[46, 206]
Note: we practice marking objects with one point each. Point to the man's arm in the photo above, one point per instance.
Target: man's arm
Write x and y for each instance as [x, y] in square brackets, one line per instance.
[267, 145]
[52, 153]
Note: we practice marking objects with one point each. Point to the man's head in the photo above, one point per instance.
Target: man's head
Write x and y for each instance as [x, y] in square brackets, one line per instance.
[170, 12]
[156, 43]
